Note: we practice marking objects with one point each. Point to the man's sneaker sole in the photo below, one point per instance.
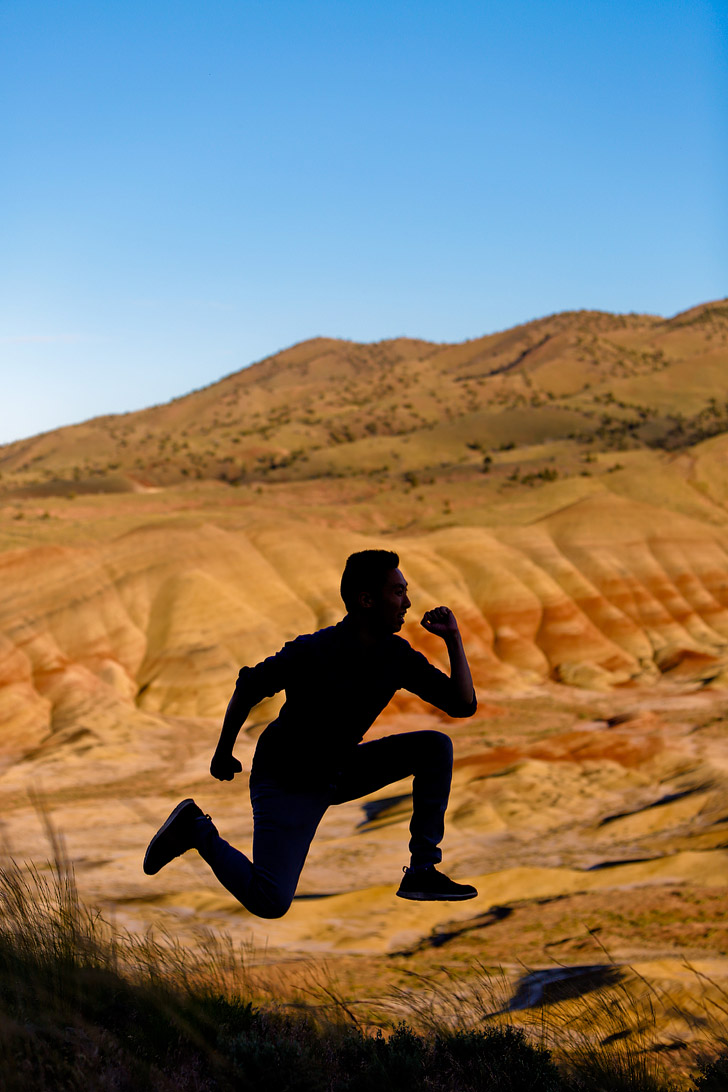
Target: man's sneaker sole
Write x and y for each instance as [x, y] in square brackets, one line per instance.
[421, 896]
[150, 870]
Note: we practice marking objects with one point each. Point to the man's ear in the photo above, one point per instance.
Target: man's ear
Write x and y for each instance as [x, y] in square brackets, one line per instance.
[365, 600]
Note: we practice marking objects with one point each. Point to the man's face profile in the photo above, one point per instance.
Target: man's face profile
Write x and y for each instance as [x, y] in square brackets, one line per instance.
[386, 607]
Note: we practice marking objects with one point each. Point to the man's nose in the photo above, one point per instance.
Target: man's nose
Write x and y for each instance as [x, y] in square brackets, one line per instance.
[407, 602]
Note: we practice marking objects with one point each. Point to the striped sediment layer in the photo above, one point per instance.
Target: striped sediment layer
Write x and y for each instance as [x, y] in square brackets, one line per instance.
[101, 643]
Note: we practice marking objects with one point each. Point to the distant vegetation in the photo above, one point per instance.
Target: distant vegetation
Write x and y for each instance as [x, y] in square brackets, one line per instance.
[683, 431]
[335, 408]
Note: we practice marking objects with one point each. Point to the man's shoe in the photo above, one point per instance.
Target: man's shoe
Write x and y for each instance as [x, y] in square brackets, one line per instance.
[174, 837]
[429, 885]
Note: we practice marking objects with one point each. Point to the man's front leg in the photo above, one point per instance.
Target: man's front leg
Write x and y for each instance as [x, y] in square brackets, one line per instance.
[432, 769]
[430, 794]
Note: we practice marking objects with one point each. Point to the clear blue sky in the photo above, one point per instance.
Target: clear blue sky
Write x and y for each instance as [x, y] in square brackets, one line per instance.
[187, 187]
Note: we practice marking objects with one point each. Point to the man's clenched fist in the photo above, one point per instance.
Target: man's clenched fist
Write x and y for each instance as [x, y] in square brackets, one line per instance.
[224, 767]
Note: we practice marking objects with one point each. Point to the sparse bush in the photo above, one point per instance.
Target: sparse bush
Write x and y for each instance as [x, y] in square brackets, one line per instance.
[548, 474]
[713, 1075]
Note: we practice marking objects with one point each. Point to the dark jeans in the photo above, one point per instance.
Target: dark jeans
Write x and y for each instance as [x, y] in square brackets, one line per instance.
[285, 820]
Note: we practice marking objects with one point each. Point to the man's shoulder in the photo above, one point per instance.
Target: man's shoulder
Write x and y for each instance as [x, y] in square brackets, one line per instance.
[409, 659]
[296, 653]
[339, 637]
[400, 644]
[401, 649]
[339, 640]
[310, 642]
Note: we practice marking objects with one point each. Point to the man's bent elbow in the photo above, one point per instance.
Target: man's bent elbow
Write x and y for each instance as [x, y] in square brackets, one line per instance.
[462, 710]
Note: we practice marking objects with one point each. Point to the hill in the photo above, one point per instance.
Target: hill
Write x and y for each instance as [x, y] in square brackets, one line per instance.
[563, 486]
[584, 380]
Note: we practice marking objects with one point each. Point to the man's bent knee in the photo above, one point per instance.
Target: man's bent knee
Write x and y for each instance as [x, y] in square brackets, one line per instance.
[437, 743]
[271, 910]
[272, 905]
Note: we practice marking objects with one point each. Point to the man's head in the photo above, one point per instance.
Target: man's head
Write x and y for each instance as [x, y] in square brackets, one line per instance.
[374, 590]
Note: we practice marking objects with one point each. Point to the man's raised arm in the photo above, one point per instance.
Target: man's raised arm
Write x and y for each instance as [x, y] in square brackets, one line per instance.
[442, 622]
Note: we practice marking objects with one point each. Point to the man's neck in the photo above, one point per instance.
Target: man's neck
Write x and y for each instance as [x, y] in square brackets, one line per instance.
[364, 634]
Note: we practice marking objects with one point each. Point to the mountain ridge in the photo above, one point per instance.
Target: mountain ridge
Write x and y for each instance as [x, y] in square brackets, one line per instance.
[272, 420]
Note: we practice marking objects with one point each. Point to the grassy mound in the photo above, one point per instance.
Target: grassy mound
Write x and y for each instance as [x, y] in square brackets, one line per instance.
[83, 1008]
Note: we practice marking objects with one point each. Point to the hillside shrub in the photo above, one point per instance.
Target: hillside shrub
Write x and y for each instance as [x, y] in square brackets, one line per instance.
[713, 1075]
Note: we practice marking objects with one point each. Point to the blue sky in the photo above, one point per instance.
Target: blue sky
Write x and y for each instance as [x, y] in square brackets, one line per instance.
[189, 187]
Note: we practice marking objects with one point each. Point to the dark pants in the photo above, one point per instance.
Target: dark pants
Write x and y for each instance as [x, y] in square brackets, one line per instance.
[285, 820]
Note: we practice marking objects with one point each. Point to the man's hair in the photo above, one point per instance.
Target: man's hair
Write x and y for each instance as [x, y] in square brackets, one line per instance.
[366, 571]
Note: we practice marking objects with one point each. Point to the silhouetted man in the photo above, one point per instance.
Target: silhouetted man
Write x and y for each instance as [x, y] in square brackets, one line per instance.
[337, 682]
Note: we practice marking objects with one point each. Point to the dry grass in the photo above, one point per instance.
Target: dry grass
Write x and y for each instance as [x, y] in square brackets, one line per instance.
[83, 1006]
